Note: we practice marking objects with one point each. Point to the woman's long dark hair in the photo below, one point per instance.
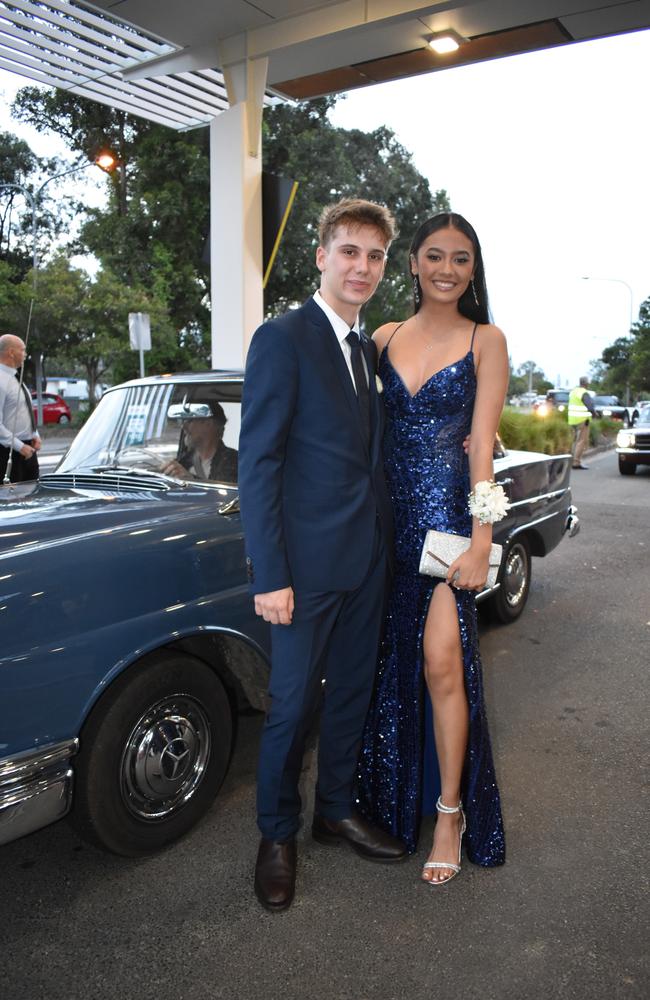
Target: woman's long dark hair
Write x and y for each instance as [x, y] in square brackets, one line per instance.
[467, 305]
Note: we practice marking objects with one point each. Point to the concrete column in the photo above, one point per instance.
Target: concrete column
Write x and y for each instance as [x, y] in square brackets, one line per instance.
[236, 216]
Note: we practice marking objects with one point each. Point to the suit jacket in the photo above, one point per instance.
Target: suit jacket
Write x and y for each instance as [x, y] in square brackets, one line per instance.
[311, 489]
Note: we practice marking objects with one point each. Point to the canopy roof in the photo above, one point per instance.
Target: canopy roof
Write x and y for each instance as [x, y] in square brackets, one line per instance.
[163, 59]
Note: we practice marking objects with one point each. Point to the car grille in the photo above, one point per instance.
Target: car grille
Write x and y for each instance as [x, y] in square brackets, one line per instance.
[642, 440]
[117, 481]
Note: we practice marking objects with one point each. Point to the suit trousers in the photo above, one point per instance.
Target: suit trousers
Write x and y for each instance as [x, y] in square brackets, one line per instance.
[328, 654]
[22, 469]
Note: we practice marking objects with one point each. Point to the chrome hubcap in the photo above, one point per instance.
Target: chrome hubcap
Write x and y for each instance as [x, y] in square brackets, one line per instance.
[515, 576]
[165, 757]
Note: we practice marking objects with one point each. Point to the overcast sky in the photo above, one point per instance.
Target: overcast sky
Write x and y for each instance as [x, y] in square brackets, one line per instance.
[547, 155]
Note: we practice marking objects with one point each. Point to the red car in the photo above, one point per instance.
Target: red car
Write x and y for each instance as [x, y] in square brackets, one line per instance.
[55, 408]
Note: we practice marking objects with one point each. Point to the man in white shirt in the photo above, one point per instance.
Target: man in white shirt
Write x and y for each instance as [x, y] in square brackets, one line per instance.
[19, 438]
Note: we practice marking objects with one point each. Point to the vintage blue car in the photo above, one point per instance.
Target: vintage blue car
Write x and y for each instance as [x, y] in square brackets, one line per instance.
[129, 639]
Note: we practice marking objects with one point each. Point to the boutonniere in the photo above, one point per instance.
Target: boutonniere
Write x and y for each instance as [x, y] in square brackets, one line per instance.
[379, 384]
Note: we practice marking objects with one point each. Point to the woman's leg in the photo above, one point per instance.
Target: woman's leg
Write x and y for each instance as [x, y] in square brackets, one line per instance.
[443, 672]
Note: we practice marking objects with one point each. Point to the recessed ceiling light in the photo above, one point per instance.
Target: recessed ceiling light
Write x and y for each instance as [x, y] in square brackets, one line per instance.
[444, 42]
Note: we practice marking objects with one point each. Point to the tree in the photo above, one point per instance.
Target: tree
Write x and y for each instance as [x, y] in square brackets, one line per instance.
[640, 354]
[153, 230]
[152, 233]
[528, 376]
[331, 163]
[20, 166]
[81, 323]
[615, 367]
[625, 364]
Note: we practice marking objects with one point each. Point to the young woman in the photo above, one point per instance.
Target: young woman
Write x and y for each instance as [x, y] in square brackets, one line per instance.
[444, 374]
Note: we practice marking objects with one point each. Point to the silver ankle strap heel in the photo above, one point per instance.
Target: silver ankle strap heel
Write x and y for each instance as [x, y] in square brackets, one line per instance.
[442, 808]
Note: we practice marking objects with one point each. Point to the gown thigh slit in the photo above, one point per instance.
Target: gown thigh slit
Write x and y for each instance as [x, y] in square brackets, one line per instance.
[428, 478]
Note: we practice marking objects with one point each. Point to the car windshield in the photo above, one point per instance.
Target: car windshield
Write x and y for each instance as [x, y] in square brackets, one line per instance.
[606, 400]
[643, 420]
[185, 430]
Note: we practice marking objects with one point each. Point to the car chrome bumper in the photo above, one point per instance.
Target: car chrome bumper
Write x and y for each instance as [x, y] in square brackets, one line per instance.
[35, 788]
[572, 522]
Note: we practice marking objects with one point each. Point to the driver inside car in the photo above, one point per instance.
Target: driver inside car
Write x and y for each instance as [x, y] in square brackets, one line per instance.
[201, 452]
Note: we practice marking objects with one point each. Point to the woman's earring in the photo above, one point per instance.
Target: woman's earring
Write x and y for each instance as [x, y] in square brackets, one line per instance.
[417, 291]
[474, 292]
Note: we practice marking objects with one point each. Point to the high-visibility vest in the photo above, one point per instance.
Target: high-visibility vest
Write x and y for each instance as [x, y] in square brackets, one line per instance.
[577, 410]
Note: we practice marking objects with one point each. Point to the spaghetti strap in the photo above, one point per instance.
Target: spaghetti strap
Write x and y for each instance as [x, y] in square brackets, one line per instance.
[471, 343]
[398, 327]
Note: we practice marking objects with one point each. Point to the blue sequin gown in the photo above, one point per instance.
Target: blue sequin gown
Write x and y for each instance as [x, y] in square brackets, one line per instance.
[428, 477]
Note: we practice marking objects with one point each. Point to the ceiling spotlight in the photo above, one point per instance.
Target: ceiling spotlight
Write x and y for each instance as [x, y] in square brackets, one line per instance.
[444, 42]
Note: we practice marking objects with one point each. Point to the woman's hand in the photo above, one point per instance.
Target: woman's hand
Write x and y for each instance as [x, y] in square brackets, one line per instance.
[470, 570]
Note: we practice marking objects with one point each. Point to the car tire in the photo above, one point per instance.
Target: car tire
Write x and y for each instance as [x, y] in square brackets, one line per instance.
[508, 602]
[153, 755]
[64, 419]
[626, 468]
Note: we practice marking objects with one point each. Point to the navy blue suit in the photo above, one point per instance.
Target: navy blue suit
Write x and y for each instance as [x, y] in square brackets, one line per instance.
[316, 518]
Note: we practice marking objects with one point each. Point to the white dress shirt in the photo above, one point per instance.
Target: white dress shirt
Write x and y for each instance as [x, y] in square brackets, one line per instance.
[16, 426]
[341, 329]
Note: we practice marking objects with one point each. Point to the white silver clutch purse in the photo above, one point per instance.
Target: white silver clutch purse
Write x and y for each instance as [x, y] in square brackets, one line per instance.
[440, 550]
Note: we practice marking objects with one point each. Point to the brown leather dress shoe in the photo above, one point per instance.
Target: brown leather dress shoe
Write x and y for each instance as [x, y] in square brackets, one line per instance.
[275, 874]
[366, 839]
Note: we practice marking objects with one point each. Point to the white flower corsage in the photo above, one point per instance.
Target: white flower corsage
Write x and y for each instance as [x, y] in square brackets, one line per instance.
[488, 502]
[379, 384]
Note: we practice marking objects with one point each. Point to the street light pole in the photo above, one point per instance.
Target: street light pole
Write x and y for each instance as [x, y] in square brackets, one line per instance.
[619, 281]
[106, 162]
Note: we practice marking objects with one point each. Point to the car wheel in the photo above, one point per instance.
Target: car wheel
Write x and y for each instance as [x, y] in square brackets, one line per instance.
[64, 419]
[510, 599]
[153, 755]
[626, 468]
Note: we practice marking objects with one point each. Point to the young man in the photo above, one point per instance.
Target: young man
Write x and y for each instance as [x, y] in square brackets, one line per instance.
[318, 528]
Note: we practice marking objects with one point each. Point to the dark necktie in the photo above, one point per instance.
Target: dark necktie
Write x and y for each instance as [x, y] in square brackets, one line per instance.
[360, 382]
[30, 406]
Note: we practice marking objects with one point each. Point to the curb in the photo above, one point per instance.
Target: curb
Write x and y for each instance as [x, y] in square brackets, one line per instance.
[598, 448]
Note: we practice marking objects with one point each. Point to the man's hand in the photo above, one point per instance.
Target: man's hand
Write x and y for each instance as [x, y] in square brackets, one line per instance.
[275, 607]
[27, 451]
[175, 468]
[37, 444]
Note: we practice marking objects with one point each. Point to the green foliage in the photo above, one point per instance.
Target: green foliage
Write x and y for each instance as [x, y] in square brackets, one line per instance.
[625, 364]
[20, 166]
[602, 429]
[14, 300]
[80, 325]
[329, 163]
[550, 435]
[152, 233]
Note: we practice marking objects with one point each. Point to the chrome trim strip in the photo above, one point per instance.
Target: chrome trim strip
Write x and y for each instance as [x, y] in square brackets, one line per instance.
[35, 788]
[633, 451]
[531, 524]
[540, 496]
[29, 762]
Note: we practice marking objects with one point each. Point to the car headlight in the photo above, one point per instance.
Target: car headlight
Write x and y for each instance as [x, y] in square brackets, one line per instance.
[542, 410]
[625, 439]
[561, 408]
[606, 413]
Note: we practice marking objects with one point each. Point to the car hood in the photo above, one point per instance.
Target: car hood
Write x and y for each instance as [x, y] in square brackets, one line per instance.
[45, 513]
